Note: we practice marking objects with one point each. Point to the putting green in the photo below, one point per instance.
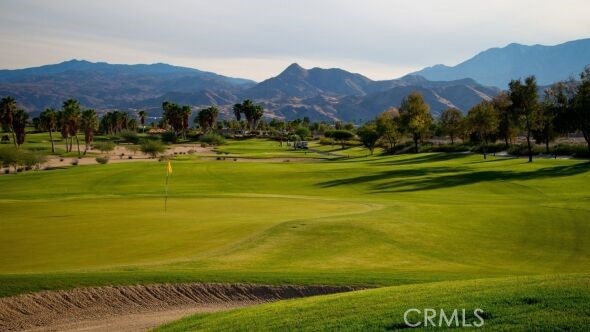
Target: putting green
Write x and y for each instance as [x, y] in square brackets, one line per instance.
[79, 234]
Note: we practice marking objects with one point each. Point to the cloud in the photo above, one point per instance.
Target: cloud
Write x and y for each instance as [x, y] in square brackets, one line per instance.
[380, 39]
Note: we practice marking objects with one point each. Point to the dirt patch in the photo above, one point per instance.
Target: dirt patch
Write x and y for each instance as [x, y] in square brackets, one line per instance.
[136, 308]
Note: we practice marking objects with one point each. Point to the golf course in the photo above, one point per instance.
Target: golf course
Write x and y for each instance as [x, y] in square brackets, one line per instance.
[428, 230]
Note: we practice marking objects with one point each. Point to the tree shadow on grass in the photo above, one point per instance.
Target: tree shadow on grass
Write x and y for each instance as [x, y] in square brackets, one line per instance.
[421, 159]
[410, 180]
[390, 174]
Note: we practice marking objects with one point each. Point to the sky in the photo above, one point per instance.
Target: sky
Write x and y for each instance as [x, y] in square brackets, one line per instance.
[257, 39]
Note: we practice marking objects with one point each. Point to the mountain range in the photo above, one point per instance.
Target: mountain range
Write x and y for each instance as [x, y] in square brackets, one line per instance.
[330, 94]
[497, 66]
[320, 94]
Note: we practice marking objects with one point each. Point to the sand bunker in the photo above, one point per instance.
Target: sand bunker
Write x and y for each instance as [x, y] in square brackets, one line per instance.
[136, 308]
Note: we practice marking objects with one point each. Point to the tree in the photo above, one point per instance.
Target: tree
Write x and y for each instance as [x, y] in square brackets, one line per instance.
[238, 111]
[7, 110]
[483, 120]
[37, 124]
[450, 121]
[524, 97]
[581, 106]
[71, 121]
[185, 114]
[388, 127]
[89, 125]
[303, 132]
[142, 116]
[19, 125]
[415, 117]
[554, 103]
[252, 112]
[207, 118]
[62, 125]
[507, 118]
[369, 136]
[341, 136]
[48, 122]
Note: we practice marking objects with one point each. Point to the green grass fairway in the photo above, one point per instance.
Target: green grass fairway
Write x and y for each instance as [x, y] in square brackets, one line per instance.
[527, 303]
[378, 221]
[263, 148]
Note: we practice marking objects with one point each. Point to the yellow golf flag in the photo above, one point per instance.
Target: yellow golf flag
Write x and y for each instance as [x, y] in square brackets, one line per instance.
[169, 167]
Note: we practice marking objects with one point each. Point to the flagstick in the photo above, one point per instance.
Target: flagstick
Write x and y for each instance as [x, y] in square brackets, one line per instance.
[166, 193]
[168, 171]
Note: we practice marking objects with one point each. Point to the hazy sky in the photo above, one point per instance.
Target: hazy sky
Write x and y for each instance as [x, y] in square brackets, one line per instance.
[258, 38]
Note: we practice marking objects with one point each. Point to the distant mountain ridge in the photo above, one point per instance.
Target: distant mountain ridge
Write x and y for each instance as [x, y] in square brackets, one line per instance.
[497, 66]
[331, 94]
[106, 86]
[298, 82]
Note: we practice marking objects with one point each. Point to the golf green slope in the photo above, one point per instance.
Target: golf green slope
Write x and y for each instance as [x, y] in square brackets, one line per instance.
[374, 221]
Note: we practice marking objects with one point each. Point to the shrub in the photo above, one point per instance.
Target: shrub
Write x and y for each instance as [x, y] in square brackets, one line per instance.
[169, 137]
[132, 148]
[400, 148]
[445, 148]
[326, 141]
[522, 150]
[129, 136]
[104, 147]
[212, 139]
[576, 150]
[152, 148]
[102, 159]
[10, 156]
[491, 148]
[33, 159]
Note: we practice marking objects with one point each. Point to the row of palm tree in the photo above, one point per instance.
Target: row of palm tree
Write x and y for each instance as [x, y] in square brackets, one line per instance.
[177, 117]
[13, 120]
[207, 118]
[69, 121]
[113, 123]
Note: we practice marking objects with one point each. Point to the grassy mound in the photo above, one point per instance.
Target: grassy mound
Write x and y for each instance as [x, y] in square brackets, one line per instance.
[525, 303]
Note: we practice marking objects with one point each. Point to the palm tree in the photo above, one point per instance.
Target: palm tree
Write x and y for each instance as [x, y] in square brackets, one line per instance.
[253, 112]
[71, 108]
[19, 124]
[48, 120]
[7, 110]
[207, 117]
[117, 121]
[124, 121]
[62, 124]
[88, 124]
[185, 114]
[142, 116]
